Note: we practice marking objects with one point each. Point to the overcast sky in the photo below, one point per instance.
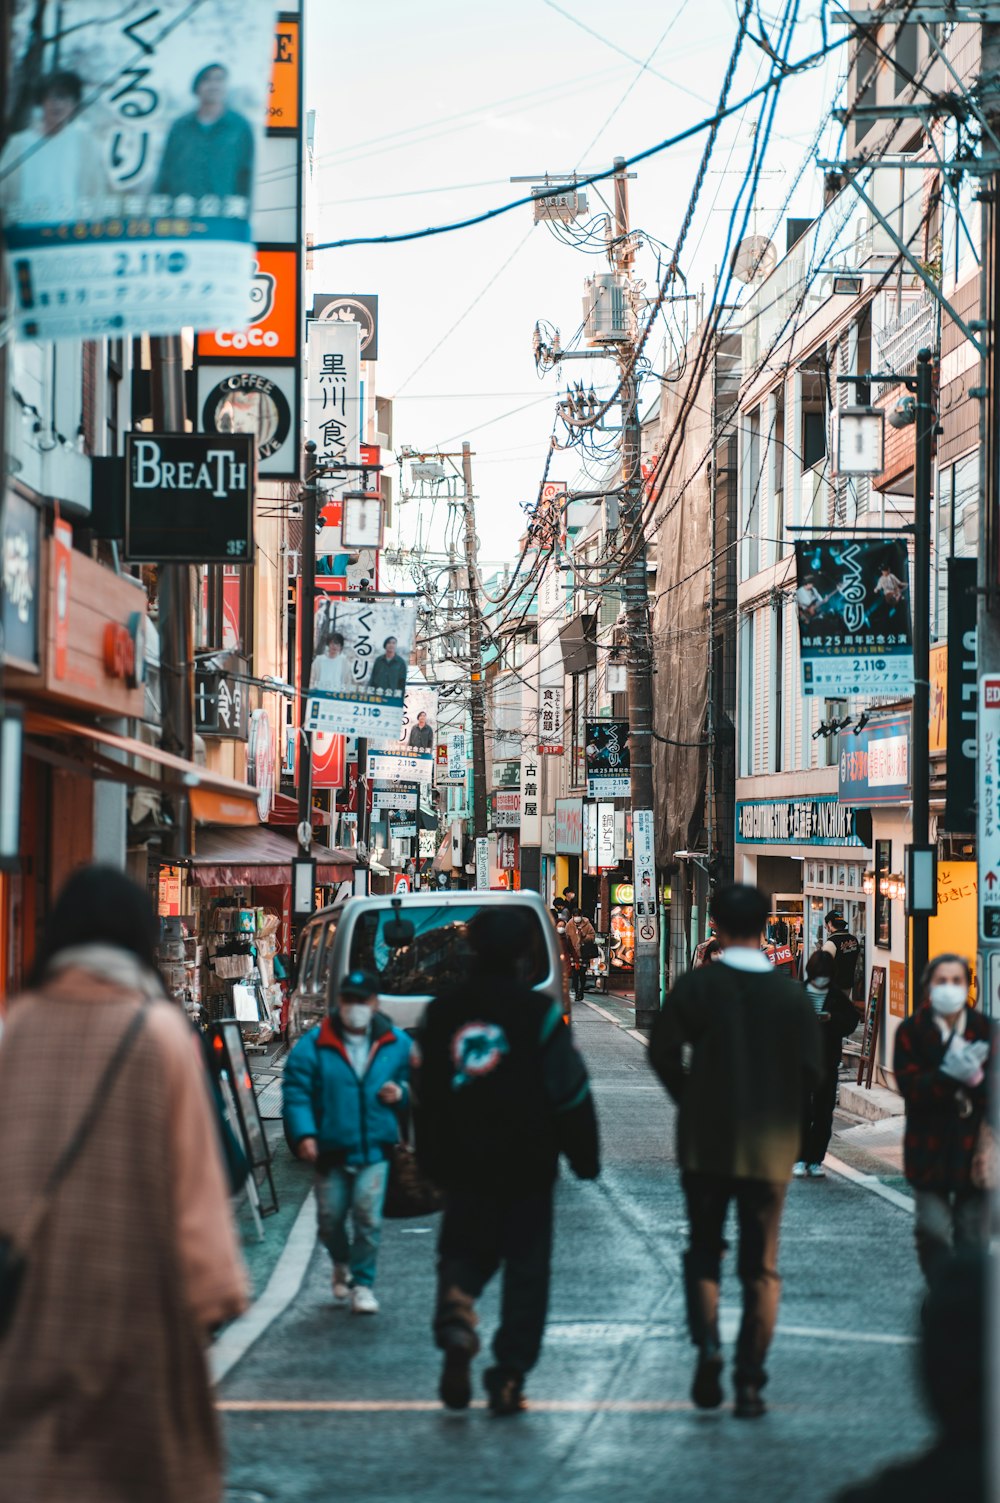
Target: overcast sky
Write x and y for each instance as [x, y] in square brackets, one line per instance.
[425, 109]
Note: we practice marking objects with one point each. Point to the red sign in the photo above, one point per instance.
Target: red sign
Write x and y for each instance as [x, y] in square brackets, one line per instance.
[62, 554]
[328, 760]
[401, 885]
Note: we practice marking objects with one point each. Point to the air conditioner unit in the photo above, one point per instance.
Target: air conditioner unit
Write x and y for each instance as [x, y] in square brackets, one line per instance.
[565, 206]
[606, 313]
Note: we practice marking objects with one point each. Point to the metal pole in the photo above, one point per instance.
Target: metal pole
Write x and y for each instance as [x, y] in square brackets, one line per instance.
[475, 657]
[920, 738]
[307, 610]
[640, 668]
[174, 593]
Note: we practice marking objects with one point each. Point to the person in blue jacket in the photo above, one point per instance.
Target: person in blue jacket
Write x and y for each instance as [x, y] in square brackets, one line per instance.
[343, 1081]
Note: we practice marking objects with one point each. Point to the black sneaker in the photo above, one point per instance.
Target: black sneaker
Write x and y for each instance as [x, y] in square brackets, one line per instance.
[505, 1388]
[455, 1387]
[706, 1390]
[749, 1403]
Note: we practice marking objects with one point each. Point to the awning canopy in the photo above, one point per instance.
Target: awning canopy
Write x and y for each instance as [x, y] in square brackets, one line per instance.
[214, 798]
[260, 858]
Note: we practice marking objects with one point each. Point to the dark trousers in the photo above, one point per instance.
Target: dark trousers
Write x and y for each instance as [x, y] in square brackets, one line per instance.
[817, 1116]
[480, 1232]
[759, 1205]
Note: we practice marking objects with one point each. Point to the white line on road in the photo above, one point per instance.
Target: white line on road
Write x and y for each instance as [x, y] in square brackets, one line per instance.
[608, 1017]
[282, 1287]
[433, 1406]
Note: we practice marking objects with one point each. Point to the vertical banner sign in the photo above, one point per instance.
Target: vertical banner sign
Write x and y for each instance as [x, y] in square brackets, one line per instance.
[482, 864]
[590, 836]
[960, 800]
[853, 604]
[989, 807]
[605, 835]
[569, 826]
[360, 653]
[457, 835]
[62, 558]
[531, 804]
[644, 880]
[550, 722]
[608, 759]
[128, 178]
[334, 415]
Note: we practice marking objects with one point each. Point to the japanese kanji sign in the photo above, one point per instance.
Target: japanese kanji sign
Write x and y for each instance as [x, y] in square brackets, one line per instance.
[989, 807]
[128, 178]
[531, 802]
[853, 605]
[334, 417]
[360, 652]
[608, 760]
[220, 697]
[550, 722]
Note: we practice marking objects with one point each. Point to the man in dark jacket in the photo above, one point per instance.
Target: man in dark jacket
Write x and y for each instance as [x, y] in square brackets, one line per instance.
[754, 1050]
[837, 1017]
[843, 947]
[501, 1092]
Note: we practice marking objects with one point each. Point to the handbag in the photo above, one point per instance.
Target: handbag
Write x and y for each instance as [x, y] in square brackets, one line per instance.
[14, 1249]
[985, 1171]
[408, 1192]
[589, 950]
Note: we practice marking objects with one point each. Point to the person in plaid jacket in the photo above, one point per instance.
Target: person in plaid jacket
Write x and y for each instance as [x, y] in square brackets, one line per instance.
[942, 1065]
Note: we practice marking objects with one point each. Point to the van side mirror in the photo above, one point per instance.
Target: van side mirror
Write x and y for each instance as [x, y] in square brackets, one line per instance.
[399, 931]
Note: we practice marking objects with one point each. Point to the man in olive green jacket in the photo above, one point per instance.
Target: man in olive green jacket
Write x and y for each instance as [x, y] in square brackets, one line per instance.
[736, 1045]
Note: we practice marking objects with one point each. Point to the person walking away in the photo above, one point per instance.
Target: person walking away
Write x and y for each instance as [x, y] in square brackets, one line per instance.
[105, 1395]
[586, 949]
[942, 1064]
[837, 1017]
[754, 1049]
[843, 947]
[343, 1083]
[501, 1091]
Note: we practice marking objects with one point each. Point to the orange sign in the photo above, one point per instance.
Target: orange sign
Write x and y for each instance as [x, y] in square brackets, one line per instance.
[939, 700]
[283, 103]
[62, 556]
[272, 333]
[897, 989]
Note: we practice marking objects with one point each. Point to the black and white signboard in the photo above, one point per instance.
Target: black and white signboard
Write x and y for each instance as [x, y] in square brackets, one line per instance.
[261, 401]
[359, 308]
[221, 706]
[189, 498]
[853, 603]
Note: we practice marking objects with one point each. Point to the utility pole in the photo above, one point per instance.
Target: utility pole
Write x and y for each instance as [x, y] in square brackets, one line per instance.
[478, 706]
[307, 612]
[921, 894]
[174, 593]
[639, 658]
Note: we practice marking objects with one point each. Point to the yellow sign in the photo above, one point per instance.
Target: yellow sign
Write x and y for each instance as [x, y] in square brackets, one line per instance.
[952, 930]
[939, 700]
[283, 104]
[897, 989]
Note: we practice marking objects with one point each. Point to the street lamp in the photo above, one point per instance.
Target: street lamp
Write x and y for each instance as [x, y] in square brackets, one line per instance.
[860, 441]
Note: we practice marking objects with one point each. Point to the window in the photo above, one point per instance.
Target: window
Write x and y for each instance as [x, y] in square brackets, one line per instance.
[751, 492]
[883, 906]
[906, 55]
[747, 695]
[778, 473]
[778, 685]
[812, 438]
[436, 954]
[865, 74]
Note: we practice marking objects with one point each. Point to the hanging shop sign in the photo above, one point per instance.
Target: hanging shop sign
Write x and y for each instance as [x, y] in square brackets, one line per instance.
[482, 864]
[507, 849]
[334, 413]
[20, 584]
[797, 821]
[550, 722]
[853, 604]
[531, 803]
[418, 732]
[402, 824]
[621, 892]
[401, 767]
[362, 522]
[263, 403]
[395, 797]
[221, 705]
[359, 308]
[506, 810]
[590, 837]
[989, 806]
[960, 799]
[606, 835]
[129, 177]
[644, 879]
[189, 498]
[284, 108]
[450, 763]
[260, 761]
[361, 649]
[269, 328]
[95, 647]
[608, 760]
[328, 758]
[938, 740]
[874, 764]
[569, 826]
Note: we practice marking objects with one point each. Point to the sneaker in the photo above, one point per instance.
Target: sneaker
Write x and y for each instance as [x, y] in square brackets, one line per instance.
[816, 1171]
[455, 1387]
[505, 1388]
[799, 1170]
[341, 1285]
[363, 1301]
[706, 1390]
[749, 1404]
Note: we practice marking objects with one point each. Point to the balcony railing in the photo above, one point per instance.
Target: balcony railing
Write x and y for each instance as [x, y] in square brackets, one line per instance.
[895, 343]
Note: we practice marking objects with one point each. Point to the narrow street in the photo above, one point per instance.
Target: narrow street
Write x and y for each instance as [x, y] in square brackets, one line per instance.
[326, 1404]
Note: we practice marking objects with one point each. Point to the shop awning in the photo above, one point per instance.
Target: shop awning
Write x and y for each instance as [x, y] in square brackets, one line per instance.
[215, 799]
[260, 858]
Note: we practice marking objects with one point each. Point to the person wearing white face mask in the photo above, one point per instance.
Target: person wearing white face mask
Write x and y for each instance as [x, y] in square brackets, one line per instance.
[942, 1066]
[343, 1082]
[837, 1017]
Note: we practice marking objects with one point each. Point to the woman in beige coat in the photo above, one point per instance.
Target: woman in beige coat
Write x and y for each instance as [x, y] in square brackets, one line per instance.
[104, 1388]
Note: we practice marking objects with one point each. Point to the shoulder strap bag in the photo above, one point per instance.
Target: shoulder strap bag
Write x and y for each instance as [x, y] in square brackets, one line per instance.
[14, 1249]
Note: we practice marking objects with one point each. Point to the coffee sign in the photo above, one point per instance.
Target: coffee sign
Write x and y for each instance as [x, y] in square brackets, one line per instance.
[189, 498]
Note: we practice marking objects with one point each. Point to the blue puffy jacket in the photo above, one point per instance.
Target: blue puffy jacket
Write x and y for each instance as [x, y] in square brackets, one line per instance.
[324, 1099]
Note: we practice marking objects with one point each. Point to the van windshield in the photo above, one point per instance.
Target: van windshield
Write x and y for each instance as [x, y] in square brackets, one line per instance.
[438, 955]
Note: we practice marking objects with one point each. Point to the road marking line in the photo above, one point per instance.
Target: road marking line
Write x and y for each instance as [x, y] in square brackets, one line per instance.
[869, 1182]
[609, 1017]
[433, 1406]
[282, 1287]
[640, 1038]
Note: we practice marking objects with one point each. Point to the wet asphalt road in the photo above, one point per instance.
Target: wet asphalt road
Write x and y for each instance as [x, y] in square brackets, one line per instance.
[329, 1406]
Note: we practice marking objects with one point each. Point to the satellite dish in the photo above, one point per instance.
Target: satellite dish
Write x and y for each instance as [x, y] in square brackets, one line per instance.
[754, 260]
